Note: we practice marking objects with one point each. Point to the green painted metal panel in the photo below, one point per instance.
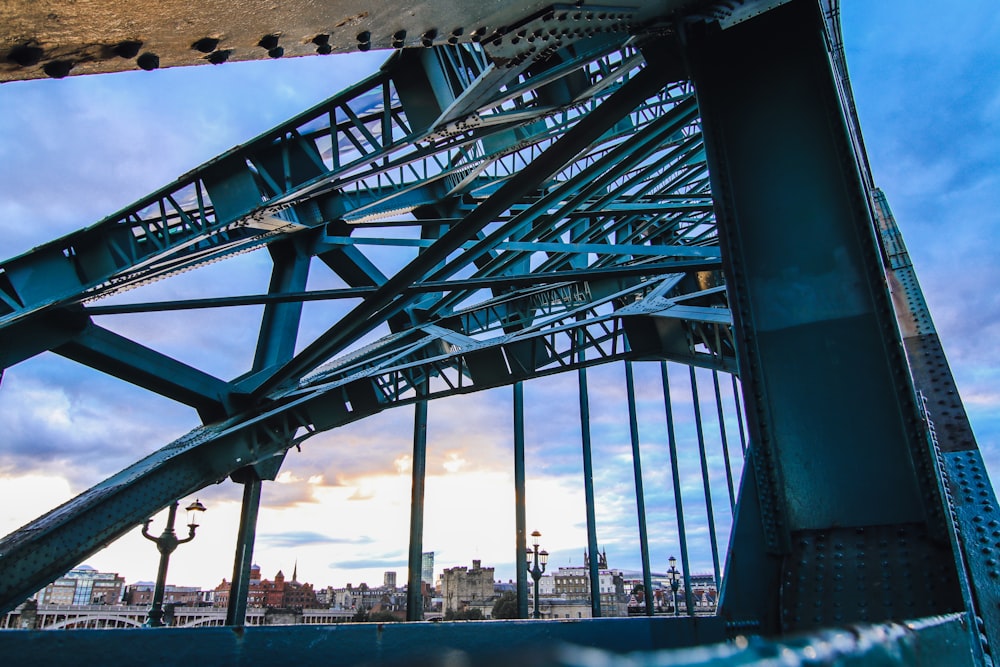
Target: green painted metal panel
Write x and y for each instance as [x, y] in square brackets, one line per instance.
[43, 275]
[838, 440]
[232, 187]
[830, 400]
[635, 642]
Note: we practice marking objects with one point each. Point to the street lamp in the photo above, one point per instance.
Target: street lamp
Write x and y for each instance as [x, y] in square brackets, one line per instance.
[165, 544]
[536, 558]
[675, 581]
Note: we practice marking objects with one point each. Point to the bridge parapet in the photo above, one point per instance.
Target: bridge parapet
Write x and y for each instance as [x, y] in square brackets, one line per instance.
[30, 616]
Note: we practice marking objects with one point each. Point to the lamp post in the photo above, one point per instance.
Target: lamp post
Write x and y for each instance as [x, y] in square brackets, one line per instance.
[165, 544]
[534, 559]
[675, 581]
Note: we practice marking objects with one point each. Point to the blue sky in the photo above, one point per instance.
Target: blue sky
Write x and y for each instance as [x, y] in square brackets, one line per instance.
[927, 81]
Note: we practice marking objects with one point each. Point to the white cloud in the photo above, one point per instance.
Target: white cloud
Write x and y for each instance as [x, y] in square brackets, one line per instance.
[21, 495]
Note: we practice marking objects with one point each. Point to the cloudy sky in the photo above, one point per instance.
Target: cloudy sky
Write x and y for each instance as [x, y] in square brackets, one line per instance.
[71, 151]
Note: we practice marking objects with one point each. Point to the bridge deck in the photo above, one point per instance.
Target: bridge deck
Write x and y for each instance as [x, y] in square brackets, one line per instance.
[938, 641]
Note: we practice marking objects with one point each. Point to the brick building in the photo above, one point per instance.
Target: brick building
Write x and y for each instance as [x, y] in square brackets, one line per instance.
[271, 593]
[141, 593]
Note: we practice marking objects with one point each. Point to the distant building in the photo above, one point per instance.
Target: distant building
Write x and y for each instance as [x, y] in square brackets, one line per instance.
[277, 593]
[566, 608]
[704, 593]
[572, 584]
[141, 593]
[389, 580]
[84, 586]
[462, 587]
[364, 597]
[427, 568]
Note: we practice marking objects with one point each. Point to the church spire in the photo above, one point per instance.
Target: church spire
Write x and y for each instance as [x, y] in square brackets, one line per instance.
[295, 570]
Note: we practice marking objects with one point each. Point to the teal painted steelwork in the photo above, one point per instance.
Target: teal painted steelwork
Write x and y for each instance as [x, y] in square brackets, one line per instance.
[520, 504]
[414, 589]
[725, 441]
[236, 610]
[384, 303]
[361, 643]
[971, 498]
[640, 499]
[706, 481]
[636, 642]
[676, 486]
[804, 276]
[279, 325]
[388, 373]
[739, 414]
[588, 488]
[115, 354]
[564, 218]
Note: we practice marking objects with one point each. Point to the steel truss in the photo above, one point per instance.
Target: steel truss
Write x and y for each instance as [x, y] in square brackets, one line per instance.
[555, 217]
[555, 207]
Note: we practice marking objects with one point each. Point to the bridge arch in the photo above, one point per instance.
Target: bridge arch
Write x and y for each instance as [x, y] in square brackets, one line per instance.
[204, 622]
[91, 622]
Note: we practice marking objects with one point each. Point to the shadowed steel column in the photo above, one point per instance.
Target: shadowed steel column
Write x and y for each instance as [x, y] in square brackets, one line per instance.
[739, 416]
[706, 481]
[676, 478]
[236, 611]
[724, 440]
[840, 453]
[588, 485]
[414, 595]
[275, 343]
[640, 501]
[519, 504]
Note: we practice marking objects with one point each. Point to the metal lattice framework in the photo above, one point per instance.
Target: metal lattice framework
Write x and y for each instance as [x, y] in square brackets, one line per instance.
[539, 229]
[620, 193]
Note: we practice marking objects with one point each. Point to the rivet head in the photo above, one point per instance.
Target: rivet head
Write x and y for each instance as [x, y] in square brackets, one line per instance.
[206, 44]
[268, 42]
[57, 69]
[148, 61]
[25, 55]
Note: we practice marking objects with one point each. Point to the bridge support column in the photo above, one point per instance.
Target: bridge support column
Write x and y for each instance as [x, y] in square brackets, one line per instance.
[414, 590]
[520, 520]
[236, 612]
[640, 500]
[588, 487]
[840, 499]
[275, 344]
[713, 539]
[279, 325]
[676, 481]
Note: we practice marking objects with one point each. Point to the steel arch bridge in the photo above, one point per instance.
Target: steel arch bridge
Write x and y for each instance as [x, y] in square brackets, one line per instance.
[561, 186]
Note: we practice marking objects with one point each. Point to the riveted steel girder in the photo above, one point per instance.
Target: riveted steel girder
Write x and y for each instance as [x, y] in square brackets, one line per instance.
[40, 38]
[842, 464]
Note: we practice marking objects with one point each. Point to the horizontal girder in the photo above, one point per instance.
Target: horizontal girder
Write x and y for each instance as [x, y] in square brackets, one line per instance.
[40, 38]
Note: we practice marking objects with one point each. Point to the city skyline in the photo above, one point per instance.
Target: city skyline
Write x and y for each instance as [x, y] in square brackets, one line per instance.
[929, 105]
[387, 576]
